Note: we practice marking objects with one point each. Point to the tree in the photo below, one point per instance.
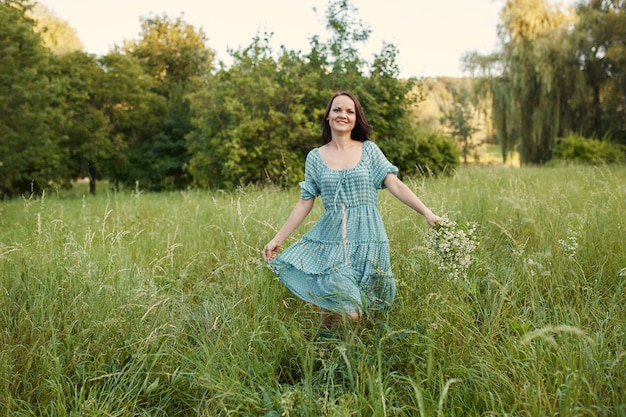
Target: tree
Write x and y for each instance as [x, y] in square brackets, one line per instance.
[530, 82]
[599, 38]
[536, 53]
[253, 124]
[388, 101]
[615, 20]
[84, 129]
[174, 54]
[29, 150]
[135, 113]
[56, 34]
[255, 121]
[347, 31]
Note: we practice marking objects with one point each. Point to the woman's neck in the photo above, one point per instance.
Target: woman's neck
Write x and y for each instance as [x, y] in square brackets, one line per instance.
[342, 142]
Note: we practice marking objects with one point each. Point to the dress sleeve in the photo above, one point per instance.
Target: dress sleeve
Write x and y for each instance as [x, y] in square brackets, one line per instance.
[380, 166]
[310, 186]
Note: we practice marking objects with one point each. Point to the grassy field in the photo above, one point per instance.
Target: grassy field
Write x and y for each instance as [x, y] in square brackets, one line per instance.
[139, 304]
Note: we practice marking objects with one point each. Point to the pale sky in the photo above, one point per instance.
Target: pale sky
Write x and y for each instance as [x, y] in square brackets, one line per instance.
[431, 35]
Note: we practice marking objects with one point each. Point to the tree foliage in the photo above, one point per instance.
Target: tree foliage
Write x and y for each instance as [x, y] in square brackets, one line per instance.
[157, 112]
[174, 54]
[536, 50]
[107, 105]
[135, 112]
[601, 53]
[256, 120]
[242, 136]
[30, 152]
[459, 116]
[557, 72]
[56, 34]
[83, 129]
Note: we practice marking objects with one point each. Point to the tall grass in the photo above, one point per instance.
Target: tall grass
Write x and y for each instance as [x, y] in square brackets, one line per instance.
[142, 304]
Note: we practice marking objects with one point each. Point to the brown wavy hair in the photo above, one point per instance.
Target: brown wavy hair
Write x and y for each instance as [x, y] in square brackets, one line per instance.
[362, 128]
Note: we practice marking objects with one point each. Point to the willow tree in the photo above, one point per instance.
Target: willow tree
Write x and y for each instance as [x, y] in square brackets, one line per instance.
[531, 79]
[532, 91]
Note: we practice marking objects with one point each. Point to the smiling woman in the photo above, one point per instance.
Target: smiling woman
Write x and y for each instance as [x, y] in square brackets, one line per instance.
[342, 263]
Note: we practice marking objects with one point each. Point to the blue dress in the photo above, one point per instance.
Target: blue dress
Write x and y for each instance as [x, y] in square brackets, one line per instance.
[342, 263]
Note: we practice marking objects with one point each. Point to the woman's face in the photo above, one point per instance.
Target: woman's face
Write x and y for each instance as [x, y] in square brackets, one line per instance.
[342, 116]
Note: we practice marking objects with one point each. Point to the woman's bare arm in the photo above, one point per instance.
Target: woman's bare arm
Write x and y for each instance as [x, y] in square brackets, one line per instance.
[408, 197]
[297, 216]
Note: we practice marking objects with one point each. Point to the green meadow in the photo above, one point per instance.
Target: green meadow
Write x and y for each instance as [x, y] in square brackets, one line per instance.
[141, 304]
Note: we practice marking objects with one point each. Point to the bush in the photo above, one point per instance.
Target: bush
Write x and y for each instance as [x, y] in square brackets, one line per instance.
[576, 148]
[427, 152]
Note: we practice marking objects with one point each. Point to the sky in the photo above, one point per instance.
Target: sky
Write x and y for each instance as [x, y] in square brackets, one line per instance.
[431, 35]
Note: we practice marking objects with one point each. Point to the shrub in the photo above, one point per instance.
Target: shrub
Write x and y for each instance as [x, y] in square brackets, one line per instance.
[576, 148]
[427, 152]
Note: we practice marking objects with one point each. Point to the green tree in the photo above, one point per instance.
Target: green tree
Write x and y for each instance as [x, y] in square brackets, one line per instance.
[254, 121]
[347, 32]
[556, 74]
[29, 150]
[388, 101]
[56, 34]
[135, 113]
[535, 56]
[84, 129]
[106, 104]
[174, 54]
[599, 37]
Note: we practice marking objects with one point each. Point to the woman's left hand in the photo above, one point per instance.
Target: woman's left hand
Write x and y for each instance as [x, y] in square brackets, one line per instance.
[432, 219]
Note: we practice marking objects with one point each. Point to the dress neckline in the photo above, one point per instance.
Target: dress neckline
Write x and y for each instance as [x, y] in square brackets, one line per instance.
[343, 169]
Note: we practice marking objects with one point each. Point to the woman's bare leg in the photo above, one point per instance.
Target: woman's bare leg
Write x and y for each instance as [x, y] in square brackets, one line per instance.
[329, 318]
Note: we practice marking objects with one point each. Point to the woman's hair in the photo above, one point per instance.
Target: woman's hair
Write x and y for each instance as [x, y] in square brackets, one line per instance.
[362, 129]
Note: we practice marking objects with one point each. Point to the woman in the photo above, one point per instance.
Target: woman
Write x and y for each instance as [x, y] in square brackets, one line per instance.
[342, 263]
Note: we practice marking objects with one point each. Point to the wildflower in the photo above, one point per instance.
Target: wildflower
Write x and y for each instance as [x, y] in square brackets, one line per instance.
[450, 247]
[570, 246]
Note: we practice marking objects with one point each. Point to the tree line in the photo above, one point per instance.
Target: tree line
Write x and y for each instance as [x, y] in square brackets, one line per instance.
[159, 112]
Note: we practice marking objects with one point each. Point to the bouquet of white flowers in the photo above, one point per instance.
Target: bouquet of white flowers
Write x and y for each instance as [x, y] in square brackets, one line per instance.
[450, 247]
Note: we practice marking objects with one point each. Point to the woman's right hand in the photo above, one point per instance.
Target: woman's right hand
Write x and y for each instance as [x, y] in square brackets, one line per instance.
[271, 250]
[299, 212]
